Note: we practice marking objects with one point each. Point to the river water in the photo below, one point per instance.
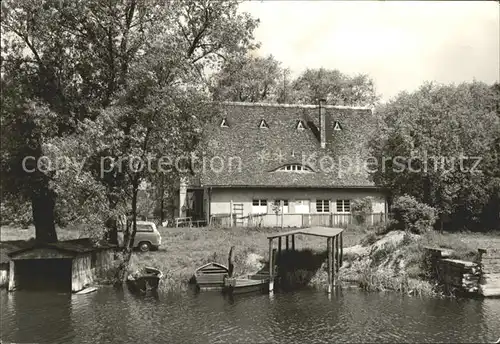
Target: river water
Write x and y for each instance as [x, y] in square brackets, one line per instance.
[111, 316]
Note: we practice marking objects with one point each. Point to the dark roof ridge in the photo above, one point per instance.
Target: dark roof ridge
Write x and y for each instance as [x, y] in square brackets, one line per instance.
[302, 106]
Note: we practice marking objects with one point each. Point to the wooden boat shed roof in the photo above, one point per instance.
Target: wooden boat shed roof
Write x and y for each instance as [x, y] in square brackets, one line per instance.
[325, 232]
[65, 249]
[6, 247]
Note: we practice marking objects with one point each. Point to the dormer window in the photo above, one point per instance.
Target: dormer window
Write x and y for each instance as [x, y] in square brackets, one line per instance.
[300, 125]
[295, 168]
[263, 124]
[223, 123]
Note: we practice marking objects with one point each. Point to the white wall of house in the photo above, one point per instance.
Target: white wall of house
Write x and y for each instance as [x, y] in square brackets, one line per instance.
[300, 201]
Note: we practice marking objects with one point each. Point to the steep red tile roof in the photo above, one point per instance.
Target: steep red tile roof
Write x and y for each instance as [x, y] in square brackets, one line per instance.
[260, 151]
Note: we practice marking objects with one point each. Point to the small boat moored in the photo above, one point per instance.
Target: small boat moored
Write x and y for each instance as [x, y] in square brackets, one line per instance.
[87, 290]
[144, 281]
[211, 276]
[243, 285]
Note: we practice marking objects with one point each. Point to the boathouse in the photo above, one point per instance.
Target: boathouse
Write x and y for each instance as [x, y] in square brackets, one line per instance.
[334, 250]
[66, 265]
[7, 247]
[309, 157]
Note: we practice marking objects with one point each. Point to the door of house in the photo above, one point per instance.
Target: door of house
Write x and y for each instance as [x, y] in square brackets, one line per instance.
[238, 213]
[195, 204]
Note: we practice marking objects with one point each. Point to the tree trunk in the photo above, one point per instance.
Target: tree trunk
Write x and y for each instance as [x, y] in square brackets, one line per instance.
[230, 262]
[427, 190]
[129, 237]
[112, 231]
[43, 204]
[134, 215]
[162, 204]
[162, 215]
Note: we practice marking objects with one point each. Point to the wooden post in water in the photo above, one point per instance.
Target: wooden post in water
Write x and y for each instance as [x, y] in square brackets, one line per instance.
[328, 244]
[341, 248]
[279, 246]
[293, 242]
[287, 246]
[230, 264]
[335, 250]
[271, 266]
[275, 261]
[334, 255]
[337, 255]
[12, 276]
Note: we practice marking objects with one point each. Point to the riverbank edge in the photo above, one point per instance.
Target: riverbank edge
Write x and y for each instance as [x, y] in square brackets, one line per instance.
[187, 249]
[371, 266]
[394, 262]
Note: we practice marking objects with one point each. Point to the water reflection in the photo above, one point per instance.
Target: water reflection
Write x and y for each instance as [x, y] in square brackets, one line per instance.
[116, 316]
[37, 316]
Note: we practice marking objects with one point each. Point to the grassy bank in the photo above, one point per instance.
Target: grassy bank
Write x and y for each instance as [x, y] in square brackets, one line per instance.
[374, 262]
[185, 249]
[396, 260]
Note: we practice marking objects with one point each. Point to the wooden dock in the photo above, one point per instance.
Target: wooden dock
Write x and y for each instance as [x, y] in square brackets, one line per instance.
[334, 246]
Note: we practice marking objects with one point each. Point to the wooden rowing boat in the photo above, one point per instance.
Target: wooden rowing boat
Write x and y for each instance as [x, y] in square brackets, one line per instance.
[87, 290]
[211, 276]
[243, 285]
[144, 281]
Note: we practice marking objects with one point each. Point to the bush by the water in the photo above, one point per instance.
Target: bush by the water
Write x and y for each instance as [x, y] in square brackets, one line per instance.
[413, 216]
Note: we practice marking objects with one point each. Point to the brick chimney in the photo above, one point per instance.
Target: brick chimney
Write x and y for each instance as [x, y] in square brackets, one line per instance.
[322, 122]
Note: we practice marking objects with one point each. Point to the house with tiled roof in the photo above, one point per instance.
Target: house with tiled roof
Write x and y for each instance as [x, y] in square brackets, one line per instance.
[259, 161]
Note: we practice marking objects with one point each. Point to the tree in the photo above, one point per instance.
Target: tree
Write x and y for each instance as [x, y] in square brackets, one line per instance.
[434, 144]
[334, 86]
[58, 68]
[143, 134]
[248, 79]
[72, 66]
[284, 89]
[413, 216]
[262, 79]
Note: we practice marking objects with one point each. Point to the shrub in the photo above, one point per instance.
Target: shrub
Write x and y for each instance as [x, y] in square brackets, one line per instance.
[413, 216]
[360, 208]
[381, 228]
